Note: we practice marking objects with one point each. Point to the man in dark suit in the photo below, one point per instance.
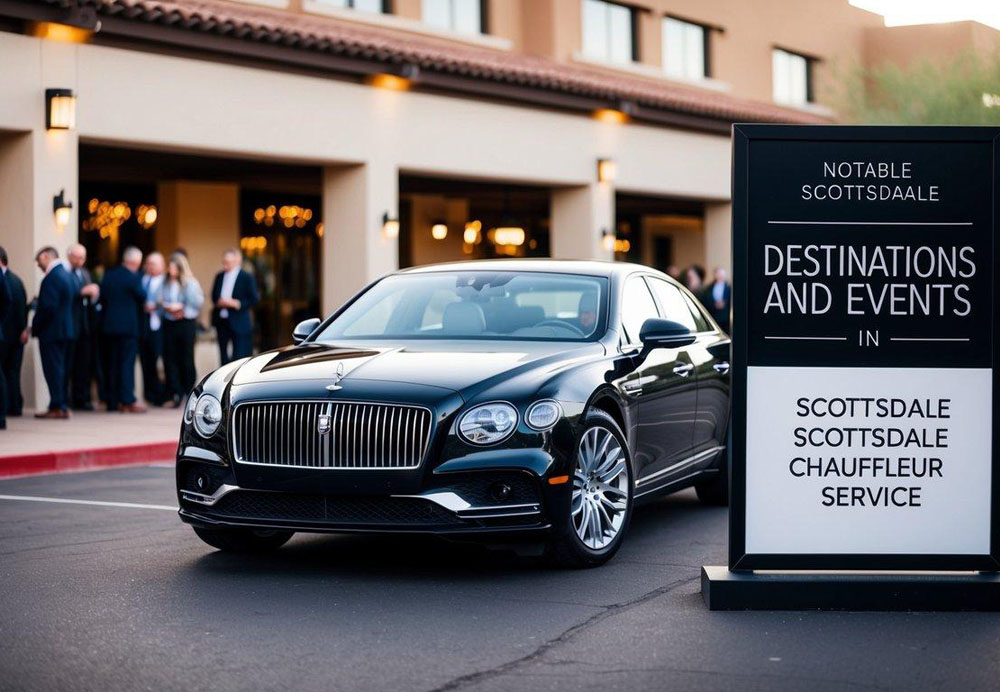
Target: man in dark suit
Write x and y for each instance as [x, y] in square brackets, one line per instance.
[122, 302]
[53, 327]
[719, 298]
[15, 334]
[234, 293]
[80, 358]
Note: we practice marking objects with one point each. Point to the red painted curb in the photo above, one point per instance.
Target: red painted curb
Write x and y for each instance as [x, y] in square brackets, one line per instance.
[79, 459]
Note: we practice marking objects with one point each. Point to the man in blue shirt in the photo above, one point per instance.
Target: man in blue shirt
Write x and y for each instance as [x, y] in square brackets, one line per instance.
[53, 327]
[122, 303]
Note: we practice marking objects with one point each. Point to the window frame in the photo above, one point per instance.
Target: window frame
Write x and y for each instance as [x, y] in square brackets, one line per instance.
[633, 33]
[483, 18]
[706, 46]
[810, 63]
[385, 6]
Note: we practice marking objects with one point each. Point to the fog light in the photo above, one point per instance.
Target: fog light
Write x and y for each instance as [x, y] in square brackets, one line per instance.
[500, 491]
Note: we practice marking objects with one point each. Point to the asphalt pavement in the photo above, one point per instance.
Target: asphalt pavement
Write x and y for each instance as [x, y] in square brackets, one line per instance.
[117, 594]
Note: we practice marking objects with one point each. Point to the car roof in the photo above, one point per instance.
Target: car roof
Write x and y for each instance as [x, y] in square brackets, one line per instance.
[586, 267]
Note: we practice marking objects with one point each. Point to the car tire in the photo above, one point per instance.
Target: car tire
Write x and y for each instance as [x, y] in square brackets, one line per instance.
[244, 540]
[715, 491]
[569, 550]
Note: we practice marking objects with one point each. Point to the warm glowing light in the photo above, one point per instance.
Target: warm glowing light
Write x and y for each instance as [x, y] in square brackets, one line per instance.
[390, 226]
[320, 229]
[622, 245]
[287, 215]
[253, 243]
[60, 109]
[558, 480]
[60, 32]
[61, 208]
[146, 215]
[471, 233]
[389, 81]
[508, 235]
[606, 170]
[439, 231]
[610, 115]
[62, 217]
[608, 241]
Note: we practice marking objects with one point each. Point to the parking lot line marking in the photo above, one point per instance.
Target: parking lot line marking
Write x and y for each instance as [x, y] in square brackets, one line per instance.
[98, 503]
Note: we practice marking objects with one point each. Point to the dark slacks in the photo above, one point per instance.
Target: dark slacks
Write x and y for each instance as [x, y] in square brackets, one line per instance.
[53, 354]
[10, 363]
[83, 370]
[3, 385]
[150, 353]
[121, 370]
[178, 357]
[232, 346]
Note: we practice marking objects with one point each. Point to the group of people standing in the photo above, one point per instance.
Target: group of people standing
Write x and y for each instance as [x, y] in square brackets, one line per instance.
[717, 297]
[89, 330]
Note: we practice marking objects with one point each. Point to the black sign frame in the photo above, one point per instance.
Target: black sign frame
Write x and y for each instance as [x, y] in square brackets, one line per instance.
[739, 559]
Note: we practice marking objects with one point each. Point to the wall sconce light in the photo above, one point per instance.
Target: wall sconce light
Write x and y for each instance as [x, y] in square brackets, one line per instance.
[60, 109]
[608, 240]
[606, 170]
[390, 226]
[439, 230]
[62, 209]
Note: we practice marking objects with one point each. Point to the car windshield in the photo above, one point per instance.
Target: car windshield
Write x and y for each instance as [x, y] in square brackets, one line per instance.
[484, 305]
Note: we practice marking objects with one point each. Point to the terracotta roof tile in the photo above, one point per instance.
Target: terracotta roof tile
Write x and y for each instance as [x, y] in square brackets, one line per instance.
[383, 44]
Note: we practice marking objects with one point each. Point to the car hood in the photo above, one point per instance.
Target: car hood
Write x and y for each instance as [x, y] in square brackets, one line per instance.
[455, 365]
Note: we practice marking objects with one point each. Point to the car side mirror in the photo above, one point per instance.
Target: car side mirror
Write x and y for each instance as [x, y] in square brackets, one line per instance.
[303, 329]
[657, 332]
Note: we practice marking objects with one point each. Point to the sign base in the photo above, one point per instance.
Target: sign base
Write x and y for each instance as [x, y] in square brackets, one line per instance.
[725, 590]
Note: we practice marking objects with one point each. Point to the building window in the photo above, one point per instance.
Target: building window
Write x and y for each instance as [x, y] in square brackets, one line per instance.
[685, 49]
[792, 76]
[378, 6]
[463, 16]
[608, 32]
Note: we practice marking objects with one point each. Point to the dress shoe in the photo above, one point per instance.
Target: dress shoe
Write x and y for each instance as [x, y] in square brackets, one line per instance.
[53, 415]
[132, 408]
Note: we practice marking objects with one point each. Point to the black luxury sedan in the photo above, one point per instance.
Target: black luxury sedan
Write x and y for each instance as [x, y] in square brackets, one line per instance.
[529, 404]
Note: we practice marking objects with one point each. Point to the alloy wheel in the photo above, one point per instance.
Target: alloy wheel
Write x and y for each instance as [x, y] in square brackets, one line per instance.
[600, 488]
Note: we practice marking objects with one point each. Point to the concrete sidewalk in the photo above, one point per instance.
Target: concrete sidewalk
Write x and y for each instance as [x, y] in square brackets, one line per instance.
[87, 440]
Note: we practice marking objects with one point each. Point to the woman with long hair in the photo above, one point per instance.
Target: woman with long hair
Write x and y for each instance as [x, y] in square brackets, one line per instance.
[180, 300]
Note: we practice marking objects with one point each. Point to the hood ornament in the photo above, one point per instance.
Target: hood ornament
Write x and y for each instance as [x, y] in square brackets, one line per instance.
[338, 376]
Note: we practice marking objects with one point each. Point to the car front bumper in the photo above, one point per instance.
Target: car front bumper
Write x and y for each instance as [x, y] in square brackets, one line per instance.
[501, 492]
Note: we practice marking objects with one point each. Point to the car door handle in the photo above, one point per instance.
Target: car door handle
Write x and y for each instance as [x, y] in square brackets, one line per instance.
[683, 369]
[721, 368]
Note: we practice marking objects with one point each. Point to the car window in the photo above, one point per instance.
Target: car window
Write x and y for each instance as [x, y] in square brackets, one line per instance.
[494, 305]
[637, 307]
[700, 317]
[674, 306]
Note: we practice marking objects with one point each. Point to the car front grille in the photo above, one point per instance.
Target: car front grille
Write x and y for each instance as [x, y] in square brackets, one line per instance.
[360, 511]
[331, 435]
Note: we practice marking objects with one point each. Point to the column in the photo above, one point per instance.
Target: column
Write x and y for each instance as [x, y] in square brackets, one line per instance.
[355, 251]
[718, 236]
[579, 217]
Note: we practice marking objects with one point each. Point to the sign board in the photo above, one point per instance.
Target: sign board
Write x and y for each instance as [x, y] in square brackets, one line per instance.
[865, 317]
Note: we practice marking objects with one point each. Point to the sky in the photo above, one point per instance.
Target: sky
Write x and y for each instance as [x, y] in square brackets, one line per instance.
[900, 12]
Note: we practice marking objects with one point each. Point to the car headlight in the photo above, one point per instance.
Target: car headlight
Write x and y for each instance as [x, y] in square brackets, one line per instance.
[207, 415]
[488, 423]
[542, 415]
[192, 402]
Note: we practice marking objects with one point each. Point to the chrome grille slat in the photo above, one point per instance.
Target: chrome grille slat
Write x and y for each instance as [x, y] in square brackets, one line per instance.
[362, 435]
